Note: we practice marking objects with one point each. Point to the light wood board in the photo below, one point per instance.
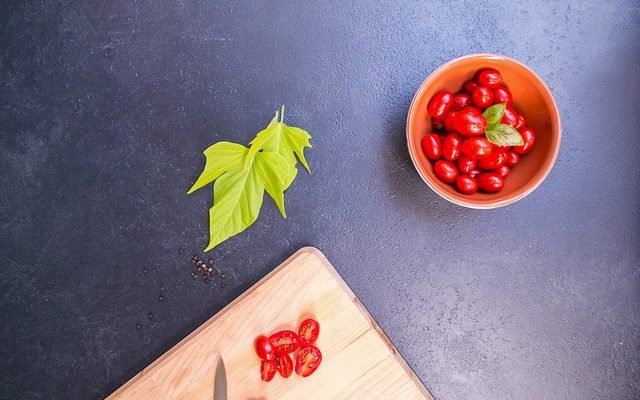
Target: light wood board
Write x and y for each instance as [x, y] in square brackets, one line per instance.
[359, 361]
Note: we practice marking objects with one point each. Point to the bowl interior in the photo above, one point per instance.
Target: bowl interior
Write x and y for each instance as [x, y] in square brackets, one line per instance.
[531, 99]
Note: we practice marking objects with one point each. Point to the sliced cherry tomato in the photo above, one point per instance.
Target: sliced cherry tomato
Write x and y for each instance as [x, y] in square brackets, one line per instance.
[482, 97]
[490, 78]
[265, 349]
[449, 124]
[529, 137]
[308, 360]
[285, 341]
[490, 182]
[502, 95]
[432, 146]
[466, 184]
[309, 331]
[268, 370]
[476, 147]
[440, 104]
[285, 365]
[466, 164]
[460, 101]
[470, 86]
[470, 122]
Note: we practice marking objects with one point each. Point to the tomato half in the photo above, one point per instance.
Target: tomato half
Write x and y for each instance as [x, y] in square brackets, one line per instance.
[309, 331]
[285, 341]
[268, 370]
[265, 349]
[285, 365]
[308, 360]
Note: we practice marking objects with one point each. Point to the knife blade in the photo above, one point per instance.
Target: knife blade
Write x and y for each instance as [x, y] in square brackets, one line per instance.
[220, 388]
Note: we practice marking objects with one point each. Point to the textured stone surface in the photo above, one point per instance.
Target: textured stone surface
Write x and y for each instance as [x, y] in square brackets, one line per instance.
[107, 105]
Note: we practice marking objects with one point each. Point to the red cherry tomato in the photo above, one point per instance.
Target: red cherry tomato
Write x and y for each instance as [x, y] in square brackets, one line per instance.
[521, 122]
[437, 123]
[470, 122]
[466, 184]
[493, 160]
[466, 164]
[482, 97]
[460, 101]
[476, 147]
[502, 95]
[285, 341]
[309, 331]
[512, 159]
[490, 78]
[449, 121]
[470, 86]
[490, 182]
[308, 360]
[265, 349]
[452, 147]
[432, 146]
[529, 137]
[510, 117]
[268, 370]
[285, 365]
[440, 104]
[446, 171]
[502, 170]
[475, 172]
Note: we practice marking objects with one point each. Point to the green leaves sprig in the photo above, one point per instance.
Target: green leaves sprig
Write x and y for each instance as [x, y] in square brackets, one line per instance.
[497, 133]
[243, 174]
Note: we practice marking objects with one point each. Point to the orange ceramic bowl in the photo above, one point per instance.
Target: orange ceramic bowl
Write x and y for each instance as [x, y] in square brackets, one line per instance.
[532, 98]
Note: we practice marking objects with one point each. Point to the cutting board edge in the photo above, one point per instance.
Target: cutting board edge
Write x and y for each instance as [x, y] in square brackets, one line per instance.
[305, 251]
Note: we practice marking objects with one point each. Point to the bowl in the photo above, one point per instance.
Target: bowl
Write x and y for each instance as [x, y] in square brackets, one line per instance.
[531, 98]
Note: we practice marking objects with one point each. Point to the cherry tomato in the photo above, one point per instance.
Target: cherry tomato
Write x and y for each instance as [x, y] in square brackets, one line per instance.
[460, 101]
[476, 147]
[432, 146]
[510, 117]
[502, 95]
[308, 360]
[466, 184]
[512, 159]
[285, 341]
[470, 86]
[449, 121]
[466, 164]
[268, 370]
[437, 123]
[521, 122]
[265, 349]
[482, 97]
[285, 365]
[452, 147]
[309, 331]
[493, 160]
[446, 171]
[475, 172]
[490, 182]
[470, 122]
[502, 170]
[440, 104]
[490, 78]
[529, 137]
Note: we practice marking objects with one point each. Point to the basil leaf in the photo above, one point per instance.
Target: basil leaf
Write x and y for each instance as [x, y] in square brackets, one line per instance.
[504, 135]
[493, 115]
[221, 157]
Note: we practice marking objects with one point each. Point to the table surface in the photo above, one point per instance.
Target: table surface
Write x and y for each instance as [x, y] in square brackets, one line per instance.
[107, 106]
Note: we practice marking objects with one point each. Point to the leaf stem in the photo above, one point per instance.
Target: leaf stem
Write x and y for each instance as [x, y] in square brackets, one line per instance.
[282, 113]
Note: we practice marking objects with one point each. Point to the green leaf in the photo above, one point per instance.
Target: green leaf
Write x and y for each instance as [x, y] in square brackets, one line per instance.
[288, 141]
[221, 157]
[493, 115]
[504, 135]
[274, 172]
[237, 198]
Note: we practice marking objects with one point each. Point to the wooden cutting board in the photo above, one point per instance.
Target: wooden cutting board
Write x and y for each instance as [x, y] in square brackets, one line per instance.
[359, 361]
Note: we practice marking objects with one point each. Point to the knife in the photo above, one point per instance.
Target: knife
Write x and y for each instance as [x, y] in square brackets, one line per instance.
[220, 388]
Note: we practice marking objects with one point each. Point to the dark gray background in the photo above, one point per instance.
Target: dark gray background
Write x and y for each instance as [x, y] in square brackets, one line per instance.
[107, 106]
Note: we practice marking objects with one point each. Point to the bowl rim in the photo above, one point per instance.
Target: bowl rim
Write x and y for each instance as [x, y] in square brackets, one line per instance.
[498, 203]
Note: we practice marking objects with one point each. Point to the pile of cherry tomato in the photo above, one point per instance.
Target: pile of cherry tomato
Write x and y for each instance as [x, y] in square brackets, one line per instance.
[461, 153]
[275, 350]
